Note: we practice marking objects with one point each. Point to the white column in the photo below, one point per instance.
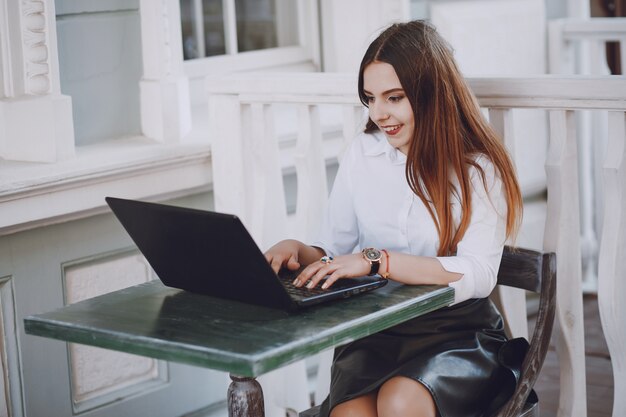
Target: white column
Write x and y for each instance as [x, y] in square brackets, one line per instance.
[164, 89]
[35, 118]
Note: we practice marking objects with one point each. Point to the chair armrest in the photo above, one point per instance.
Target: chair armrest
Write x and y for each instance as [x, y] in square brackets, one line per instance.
[540, 340]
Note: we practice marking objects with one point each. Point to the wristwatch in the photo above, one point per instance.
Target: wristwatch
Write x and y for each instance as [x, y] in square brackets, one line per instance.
[373, 256]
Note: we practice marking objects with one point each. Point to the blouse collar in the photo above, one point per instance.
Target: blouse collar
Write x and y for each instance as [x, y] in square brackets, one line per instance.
[379, 145]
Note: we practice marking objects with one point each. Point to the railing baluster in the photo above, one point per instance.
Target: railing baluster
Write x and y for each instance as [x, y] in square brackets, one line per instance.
[563, 237]
[502, 122]
[612, 263]
[268, 215]
[511, 301]
[353, 123]
[229, 175]
[311, 172]
[597, 61]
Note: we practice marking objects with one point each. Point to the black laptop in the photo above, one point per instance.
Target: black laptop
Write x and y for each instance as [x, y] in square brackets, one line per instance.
[213, 254]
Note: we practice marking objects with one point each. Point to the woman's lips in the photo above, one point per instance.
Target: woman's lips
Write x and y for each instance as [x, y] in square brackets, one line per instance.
[391, 130]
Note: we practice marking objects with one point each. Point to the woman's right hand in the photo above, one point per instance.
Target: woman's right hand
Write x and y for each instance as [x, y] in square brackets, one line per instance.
[284, 254]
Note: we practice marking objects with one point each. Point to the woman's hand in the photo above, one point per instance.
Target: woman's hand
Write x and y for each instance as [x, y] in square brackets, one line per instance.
[345, 266]
[284, 254]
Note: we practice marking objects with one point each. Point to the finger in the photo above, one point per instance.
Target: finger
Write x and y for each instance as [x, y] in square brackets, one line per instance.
[303, 276]
[319, 275]
[332, 278]
[293, 263]
[276, 263]
[307, 273]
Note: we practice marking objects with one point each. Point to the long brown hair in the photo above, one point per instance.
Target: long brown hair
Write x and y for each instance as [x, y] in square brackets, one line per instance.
[450, 130]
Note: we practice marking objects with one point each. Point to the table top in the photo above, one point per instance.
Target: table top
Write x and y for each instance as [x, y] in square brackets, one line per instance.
[165, 323]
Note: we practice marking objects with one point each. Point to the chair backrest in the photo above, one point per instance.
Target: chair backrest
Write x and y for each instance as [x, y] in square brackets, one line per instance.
[532, 271]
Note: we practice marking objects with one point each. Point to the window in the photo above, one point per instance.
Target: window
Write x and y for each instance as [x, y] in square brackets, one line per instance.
[210, 29]
[221, 36]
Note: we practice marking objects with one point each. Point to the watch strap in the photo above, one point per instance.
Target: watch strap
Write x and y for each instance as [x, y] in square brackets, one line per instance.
[374, 267]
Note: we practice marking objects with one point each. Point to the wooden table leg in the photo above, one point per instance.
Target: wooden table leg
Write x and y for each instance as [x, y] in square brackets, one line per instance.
[245, 397]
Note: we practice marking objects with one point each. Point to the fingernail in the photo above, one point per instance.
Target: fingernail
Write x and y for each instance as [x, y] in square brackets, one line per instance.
[325, 285]
[295, 281]
[310, 285]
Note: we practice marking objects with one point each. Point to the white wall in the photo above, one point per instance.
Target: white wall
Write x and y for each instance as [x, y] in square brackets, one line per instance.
[348, 27]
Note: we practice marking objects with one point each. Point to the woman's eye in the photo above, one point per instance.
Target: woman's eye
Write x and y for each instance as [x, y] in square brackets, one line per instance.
[369, 99]
[395, 99]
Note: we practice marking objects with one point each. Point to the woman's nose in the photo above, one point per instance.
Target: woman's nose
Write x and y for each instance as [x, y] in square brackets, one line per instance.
[378, 113]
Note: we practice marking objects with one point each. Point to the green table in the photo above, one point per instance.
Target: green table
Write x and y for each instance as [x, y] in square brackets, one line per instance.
[244, 340]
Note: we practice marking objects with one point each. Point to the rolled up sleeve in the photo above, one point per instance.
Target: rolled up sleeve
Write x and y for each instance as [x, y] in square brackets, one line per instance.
[480, 251]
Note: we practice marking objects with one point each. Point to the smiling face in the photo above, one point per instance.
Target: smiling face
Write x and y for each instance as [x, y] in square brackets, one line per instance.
[388, 105]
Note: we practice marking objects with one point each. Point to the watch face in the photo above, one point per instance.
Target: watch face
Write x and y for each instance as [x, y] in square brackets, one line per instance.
[372, 254]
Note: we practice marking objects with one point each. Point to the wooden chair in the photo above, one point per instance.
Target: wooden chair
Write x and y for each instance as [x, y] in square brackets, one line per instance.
[533, 271]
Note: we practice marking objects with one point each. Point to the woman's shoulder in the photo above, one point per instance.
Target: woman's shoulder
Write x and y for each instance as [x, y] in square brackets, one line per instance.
[483, 171]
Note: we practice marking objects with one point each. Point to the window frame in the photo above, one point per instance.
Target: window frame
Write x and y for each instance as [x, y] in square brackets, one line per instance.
[306, 51]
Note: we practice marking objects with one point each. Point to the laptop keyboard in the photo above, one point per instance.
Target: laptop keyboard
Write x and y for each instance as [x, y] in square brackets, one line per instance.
[287, 277]
[303, 291]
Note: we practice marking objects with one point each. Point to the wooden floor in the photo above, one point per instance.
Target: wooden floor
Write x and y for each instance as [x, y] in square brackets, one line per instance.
[598, 366]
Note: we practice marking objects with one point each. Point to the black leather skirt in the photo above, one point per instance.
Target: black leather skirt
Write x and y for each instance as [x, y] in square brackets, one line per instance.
[459, 353]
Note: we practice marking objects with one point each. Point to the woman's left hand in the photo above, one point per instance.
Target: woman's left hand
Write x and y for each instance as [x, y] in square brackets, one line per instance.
[345, 266]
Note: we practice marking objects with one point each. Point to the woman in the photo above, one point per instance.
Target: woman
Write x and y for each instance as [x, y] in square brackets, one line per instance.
[426, 195]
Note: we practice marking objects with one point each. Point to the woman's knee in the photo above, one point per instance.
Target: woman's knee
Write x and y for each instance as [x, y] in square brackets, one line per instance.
[405, 397]
[364, 406]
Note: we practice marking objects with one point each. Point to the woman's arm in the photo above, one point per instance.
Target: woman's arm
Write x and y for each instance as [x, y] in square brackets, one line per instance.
[401, 267]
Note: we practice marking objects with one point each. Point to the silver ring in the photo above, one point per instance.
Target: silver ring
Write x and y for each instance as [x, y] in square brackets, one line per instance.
[326, 259]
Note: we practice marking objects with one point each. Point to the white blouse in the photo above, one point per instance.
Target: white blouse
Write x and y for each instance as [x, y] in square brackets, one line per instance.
[371, 205]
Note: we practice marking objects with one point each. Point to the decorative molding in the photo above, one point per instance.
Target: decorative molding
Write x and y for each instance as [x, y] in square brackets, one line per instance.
[46, 194]
[36, 50]
[11, 397]
[101, 376]
[30, 80]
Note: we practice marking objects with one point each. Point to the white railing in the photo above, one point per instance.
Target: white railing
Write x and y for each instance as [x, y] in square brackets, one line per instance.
[245, 113]
[578, 46]
[249, 162]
